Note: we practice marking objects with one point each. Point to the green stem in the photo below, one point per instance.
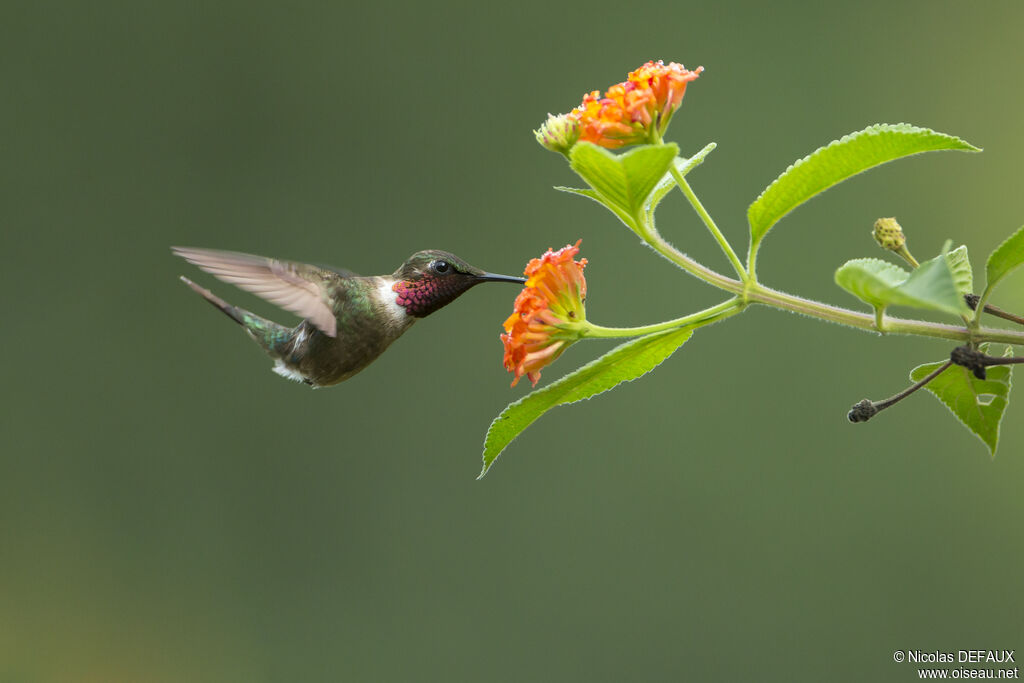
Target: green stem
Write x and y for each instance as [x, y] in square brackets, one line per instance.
[758, 293]
[700, 318]
[752, 259]
[905, 254]
[694, 268]
[979, 308]
[754, 292]
[708, 220]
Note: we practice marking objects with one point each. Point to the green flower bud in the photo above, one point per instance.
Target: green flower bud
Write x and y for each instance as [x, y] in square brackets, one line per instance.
[559, 133]
[889, 234]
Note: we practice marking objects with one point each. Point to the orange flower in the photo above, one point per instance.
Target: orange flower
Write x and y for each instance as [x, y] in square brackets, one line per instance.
[637, 110]
[549, 313]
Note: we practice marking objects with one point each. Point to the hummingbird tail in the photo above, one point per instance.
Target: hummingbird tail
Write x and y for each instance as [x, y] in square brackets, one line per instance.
[268, 334]
[234, 312]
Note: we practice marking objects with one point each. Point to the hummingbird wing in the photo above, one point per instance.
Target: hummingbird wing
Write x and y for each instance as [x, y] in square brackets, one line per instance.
[295, 287]
[344, 272]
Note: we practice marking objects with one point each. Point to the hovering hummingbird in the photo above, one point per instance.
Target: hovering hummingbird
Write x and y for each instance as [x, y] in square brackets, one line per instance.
[348, 320]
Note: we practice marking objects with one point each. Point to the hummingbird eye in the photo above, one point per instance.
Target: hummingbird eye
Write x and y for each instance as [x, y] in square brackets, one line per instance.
[440, 267]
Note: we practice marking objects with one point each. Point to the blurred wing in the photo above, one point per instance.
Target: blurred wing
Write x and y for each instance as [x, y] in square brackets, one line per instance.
[283, 283]
[344, 272]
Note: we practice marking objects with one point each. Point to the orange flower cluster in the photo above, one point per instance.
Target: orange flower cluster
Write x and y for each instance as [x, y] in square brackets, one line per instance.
[633, 111]
[536, 333]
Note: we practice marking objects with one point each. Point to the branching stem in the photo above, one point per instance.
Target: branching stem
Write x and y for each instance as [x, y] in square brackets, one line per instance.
[706, 218]
[709, 222]
[754, 292]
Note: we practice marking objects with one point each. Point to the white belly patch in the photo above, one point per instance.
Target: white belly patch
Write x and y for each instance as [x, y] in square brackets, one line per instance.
[281, 369]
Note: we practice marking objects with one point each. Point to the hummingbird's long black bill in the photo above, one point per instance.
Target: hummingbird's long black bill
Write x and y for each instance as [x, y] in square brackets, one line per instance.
[494, 277]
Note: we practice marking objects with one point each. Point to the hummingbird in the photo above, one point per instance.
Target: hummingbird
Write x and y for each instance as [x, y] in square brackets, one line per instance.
[348, 320]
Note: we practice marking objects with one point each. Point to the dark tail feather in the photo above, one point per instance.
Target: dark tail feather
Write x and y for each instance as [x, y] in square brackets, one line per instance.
[274, 338]
[235, 313]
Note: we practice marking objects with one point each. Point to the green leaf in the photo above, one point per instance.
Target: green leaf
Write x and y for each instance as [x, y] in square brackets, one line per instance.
[663, 187]
[882, 284]
[934, 285]
[960, 267]
[627, 219]
[978, 404]
[667, 182]
[624, 363]
[840, 160]
[1005, 258]
[622, 180]
[871, 280]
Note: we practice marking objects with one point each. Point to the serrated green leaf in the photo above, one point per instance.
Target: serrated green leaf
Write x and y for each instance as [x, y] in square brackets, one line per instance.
[838, 161]
[960, 267]
[934, 286]
[667, 182]
[871, 280]
[1005, 258]
[623, 180]
[978, 404]
[882, 284]
[624, 363]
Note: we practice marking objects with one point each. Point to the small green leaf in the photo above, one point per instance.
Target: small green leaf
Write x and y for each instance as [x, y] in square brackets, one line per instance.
[960, 267]
[882, 284]
[840, 160]
[644, 168]
[1005, 258]
[580, 191]
[623, 180]
[934, 286]
[667, 182]
[627, 219]
[871, 280]
[624, 363]
[978, 404]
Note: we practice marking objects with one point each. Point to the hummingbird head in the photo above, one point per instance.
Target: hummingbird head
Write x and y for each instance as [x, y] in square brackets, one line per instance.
[431, 279]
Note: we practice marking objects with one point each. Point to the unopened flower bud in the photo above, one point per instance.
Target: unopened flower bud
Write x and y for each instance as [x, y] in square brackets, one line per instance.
[558, 133]
[889, 234]
[862, 412]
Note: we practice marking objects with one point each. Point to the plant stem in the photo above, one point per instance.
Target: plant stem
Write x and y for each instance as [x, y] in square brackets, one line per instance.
[748, 290]
[979, 306]
[761, 294]
[973, 300]
[754, 292]
[698, 270]
[709, 222]
[995, 360]
[700, 318]
[905, 254]
[866, 409]
[882, 405]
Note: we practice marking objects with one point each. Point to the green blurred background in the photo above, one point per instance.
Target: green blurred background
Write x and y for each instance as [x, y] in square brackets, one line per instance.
[172, 511]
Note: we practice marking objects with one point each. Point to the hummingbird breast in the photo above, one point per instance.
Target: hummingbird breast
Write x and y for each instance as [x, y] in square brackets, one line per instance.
[369, 321]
